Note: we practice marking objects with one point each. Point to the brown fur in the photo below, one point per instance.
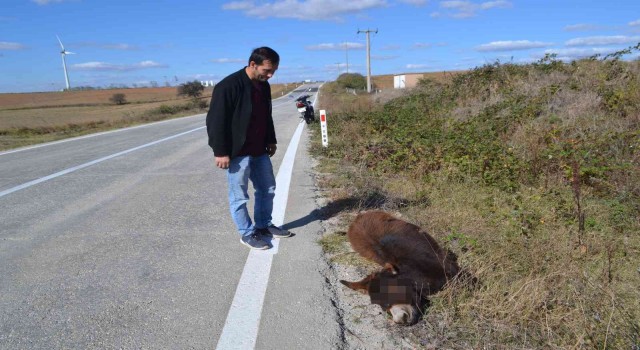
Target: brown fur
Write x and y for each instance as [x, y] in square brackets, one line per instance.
[413, 264]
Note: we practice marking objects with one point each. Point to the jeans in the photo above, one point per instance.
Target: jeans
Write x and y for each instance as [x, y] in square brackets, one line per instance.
[260, 171]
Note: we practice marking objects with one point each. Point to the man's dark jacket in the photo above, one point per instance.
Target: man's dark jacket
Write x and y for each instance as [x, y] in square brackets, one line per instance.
[230, 113]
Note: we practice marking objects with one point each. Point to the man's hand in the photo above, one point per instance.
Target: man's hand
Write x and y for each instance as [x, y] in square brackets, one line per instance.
[222, 162]
[271, 149]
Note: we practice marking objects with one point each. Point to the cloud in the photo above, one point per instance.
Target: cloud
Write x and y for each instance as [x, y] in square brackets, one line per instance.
[46, 2]
[495, 5]
[603, 40]
[384, 57]
[511, 45]
[421, 45]
[149, 64]
[336, 66]
[11, 46]
[467, 9]
[123, 47]
[635, 23]
[297, 69]
[205, 76]
[571, 54]
[390, 48]
[103, 66]
[582, 27]
[579, 52]
[336, 47]
[228, 60]
[417, 66]
[311, 10]
[462, 9]
[415, 2]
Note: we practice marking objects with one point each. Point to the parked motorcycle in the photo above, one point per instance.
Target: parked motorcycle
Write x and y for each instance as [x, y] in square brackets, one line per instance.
[305, 107]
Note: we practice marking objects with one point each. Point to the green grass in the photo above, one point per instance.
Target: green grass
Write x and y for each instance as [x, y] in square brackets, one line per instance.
[334, 243]
[530, 174]
[336, 246]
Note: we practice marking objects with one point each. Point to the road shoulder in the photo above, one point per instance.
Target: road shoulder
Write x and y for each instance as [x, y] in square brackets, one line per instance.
[298, 311]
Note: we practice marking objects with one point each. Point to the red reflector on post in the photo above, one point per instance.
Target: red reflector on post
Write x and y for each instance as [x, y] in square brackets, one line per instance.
[323, 128]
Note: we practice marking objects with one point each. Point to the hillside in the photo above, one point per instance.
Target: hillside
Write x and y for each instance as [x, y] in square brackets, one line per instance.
[530, 174]
[385, 81]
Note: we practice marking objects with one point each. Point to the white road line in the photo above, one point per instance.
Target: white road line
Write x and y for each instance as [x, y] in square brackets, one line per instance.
[241, 327]
[82, 166]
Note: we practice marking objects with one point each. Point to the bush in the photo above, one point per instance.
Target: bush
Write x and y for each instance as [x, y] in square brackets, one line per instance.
[202, 104]
[165, 109]
[192, 89]
[530, 174]
[352, 81]
[118, 99]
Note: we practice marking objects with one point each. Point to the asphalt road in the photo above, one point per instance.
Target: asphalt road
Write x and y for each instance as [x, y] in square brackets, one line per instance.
[123, 240]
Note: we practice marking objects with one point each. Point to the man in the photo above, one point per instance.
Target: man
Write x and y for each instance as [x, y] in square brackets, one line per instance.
[243, 138]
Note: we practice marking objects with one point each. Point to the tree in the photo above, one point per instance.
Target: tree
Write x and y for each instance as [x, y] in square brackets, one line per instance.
[352, 81]
[192, 89]
[118, 99]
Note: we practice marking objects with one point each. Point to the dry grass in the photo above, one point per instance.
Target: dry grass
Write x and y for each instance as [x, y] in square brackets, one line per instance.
[545, 281]
[61, 116]
[29, 118]
[385, 81]
[87, 97]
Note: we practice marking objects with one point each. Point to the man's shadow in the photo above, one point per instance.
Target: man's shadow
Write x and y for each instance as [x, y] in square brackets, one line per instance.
[368, 201]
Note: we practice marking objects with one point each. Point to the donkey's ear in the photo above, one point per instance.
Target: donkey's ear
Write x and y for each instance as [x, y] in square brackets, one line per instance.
[390, 268]
[360, 286]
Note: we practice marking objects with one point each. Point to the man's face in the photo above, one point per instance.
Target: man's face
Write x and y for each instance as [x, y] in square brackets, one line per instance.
[264, 71]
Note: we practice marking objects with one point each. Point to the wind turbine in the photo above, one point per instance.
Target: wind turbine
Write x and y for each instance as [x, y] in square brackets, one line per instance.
[64, 53]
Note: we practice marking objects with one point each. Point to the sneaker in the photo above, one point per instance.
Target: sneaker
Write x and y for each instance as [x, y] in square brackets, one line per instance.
[274, 231]
[254, 242]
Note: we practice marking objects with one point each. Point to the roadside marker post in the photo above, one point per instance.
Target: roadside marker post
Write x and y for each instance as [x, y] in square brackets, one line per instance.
[323, 128]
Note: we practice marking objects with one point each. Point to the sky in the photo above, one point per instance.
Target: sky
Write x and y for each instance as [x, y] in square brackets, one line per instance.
[170, 42]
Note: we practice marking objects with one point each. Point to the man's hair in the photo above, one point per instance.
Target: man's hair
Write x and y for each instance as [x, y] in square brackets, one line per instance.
[263, 54]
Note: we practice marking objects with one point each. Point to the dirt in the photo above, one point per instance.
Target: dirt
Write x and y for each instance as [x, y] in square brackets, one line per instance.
[101, 97]
[59, 109]
[86, 97]
[364, 326]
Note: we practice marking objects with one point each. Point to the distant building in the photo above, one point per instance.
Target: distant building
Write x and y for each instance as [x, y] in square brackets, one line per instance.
[402, 81]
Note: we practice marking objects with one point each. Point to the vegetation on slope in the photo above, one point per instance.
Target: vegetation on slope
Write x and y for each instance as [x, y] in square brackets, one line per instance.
[530, 174]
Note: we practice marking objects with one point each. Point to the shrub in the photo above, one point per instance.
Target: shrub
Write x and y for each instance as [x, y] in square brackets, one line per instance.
[202, 104]
[352, 81]
[118, 99]
[192, 89]
[165, 109]
[530, 173]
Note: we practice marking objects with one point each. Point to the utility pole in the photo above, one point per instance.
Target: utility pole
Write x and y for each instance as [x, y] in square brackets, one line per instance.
[346, 49]
[368, 57]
